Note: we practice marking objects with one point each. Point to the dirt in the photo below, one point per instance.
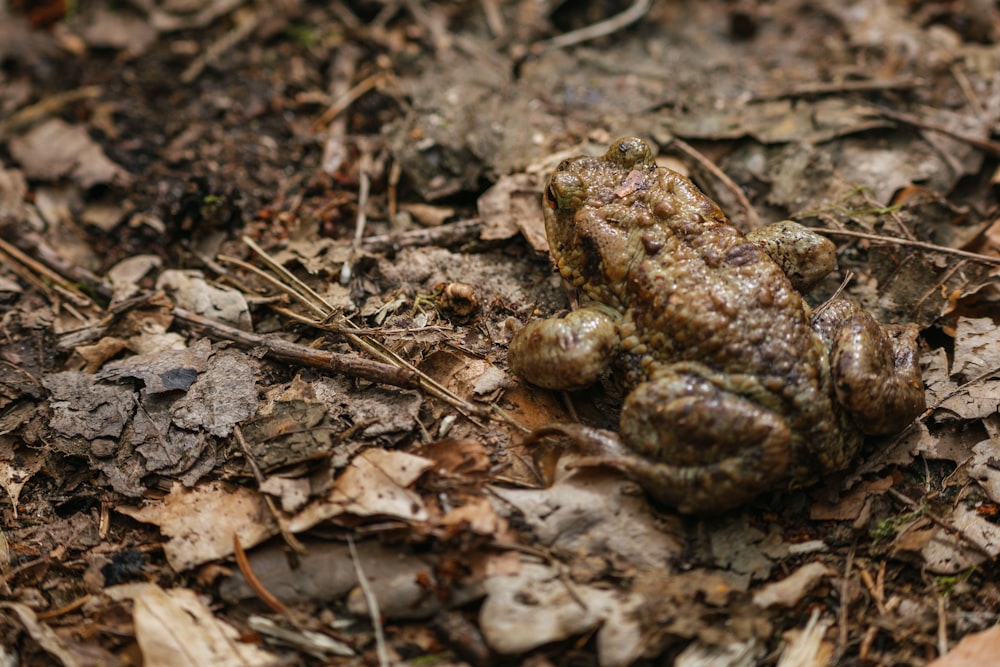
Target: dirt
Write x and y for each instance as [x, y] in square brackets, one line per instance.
[261, 263]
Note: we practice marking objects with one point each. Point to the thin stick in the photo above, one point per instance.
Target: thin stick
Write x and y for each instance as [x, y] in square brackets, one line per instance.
[265, 595]
[923, 245]
[286, 534]
[347, 364]
[373, 610]
[364, 187]
[46, 107]
[976, 546]
[991, 147]
[942, 628]
[291, 278]
[347, 99]
[246, 23]
[595, 30]
[753, 220]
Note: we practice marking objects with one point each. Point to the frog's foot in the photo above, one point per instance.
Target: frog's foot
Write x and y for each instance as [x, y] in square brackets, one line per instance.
[701, 449]
[565, 353]
[876, 373]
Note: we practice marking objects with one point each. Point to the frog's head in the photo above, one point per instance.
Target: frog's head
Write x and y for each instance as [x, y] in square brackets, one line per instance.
[590, 217]
[630, 153]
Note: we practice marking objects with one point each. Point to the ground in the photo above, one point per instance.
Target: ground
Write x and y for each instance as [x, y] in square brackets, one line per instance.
[261, 263]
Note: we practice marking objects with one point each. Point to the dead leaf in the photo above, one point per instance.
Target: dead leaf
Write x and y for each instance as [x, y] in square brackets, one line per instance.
[511, 205]
[979, 649]
[977, 349]
[17, 466]
[538, 606]
[192, 292]
[44, 635]
[788, 591]
[595, 512]
[201, 522]
[477, 516]
[945, 553]
[374, 484]
[104, 28]
[54, 149]
[175, 628]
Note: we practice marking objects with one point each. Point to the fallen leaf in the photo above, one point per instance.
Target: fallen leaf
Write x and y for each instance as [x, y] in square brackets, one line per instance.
[979, 649]
[44, 635]
[55, 148]
[594, 512]
[175, 628]
[200, 522]
[788, 591]
[538, 606]
[192, 292]
[374, 484]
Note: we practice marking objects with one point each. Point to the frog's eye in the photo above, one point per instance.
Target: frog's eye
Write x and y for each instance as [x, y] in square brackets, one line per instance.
[550, 196]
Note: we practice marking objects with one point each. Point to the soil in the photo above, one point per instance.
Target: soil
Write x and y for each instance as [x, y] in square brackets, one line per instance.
[261, 263]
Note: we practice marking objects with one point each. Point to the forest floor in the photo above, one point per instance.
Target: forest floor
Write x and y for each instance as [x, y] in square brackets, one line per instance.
[261, 262]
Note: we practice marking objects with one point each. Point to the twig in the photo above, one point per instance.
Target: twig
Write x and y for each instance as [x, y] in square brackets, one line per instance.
[265, 595]
[923, 245]
[361, 220]
[363, 343]
[246, 23]
[342, 72]
[753, 220]
[449, 234]
[845, 604]
[593, 31]
[348, 364]
[835, 87]
[14, 258]
[347, 99]
[30, 243]
[286, 534]
[940, 522]
[991, 147]
[65, 609]
[45, 107]
[373, 610]
[942, 627]
[319, 305]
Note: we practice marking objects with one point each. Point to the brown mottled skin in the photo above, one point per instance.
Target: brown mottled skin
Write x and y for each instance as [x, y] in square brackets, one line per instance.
[735, 386]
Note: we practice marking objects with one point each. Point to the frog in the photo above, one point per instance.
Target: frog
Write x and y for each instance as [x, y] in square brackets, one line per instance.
[733, 384]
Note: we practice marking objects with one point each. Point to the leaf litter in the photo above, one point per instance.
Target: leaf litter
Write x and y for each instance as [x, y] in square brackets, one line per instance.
[177, 286]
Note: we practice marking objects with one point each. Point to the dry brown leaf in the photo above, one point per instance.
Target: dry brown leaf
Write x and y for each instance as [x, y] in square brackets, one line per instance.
[538, 606]
[55, 149]
[191, 291]
[478, 516]
[175, 627]
[788, 591]
[201, 522]
[17, 466]
[595, 512]
[46, 637]
[513, 205]
[945, 553]
[374, 484]
[980, 649]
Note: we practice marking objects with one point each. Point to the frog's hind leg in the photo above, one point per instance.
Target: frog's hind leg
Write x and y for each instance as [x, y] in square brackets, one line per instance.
[700, 448]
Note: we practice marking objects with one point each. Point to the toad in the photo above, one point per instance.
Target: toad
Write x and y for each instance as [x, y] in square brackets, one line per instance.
[735, 386]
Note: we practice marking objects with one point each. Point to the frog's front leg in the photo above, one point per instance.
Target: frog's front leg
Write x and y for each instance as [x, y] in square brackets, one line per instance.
[566, 352]
[875, 369]
[699, 447]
